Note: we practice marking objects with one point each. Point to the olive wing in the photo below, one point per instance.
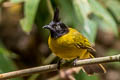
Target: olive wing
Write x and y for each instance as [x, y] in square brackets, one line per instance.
[82, 42]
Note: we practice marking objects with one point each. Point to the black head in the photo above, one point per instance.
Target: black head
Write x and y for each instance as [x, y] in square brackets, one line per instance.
[56, 27]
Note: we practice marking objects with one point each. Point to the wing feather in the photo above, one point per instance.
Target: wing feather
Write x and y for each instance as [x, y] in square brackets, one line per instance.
[82, 42]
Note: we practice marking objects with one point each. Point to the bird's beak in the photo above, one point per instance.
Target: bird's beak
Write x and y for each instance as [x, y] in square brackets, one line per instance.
[48, 27]
[45, 27]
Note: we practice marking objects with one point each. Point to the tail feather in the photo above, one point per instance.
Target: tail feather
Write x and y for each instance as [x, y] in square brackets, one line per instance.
[93, 68]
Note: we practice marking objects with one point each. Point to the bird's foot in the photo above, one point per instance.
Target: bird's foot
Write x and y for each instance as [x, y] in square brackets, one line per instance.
[65, 63]
[59, 63]
[74, 61]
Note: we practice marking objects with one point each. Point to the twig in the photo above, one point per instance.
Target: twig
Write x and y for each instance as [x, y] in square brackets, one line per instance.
[53, 67]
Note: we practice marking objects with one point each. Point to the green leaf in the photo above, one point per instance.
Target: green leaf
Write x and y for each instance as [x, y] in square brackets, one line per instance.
[6, 64]
[1, 1]
[83, 76]
[77, 6]
[44, 13]
[30, 10]
[89, 28]
[114, 6]
[43, 17]
[67, 13]
[106, 21]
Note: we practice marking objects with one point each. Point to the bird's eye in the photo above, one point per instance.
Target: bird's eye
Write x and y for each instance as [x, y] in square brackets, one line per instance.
[54, 26]
[58, 27]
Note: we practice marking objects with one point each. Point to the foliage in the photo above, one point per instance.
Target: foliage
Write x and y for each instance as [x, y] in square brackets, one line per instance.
[87, 16]
[6, 63]
[84, 76]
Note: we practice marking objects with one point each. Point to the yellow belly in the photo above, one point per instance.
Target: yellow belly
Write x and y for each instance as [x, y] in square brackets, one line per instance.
[66, 51]
[70, 54]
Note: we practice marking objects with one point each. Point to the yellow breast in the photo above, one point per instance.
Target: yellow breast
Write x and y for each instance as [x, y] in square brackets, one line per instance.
[64, 46]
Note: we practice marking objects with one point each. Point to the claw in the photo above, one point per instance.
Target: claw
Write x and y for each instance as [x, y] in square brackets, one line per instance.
[58, 64]
[74, 62]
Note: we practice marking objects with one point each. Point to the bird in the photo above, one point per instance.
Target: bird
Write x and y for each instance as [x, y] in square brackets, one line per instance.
[69, 44]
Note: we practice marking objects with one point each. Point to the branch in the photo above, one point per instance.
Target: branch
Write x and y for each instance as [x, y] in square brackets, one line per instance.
[53, 67]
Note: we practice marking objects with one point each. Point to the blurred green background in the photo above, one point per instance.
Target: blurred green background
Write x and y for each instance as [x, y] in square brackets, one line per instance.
[23, 42]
